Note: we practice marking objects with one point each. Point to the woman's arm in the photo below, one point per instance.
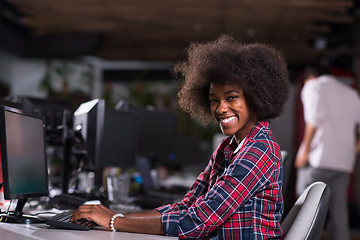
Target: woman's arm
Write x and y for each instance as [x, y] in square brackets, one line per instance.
[144, 222]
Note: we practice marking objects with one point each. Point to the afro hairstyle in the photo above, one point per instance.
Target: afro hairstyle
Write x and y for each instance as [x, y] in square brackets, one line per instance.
[258, 69]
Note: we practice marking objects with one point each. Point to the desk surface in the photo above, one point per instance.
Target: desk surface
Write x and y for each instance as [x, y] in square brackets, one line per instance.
[10, 231]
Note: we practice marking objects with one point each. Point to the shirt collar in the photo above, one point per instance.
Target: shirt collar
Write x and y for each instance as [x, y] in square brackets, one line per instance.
[239, 146]
[261, 124]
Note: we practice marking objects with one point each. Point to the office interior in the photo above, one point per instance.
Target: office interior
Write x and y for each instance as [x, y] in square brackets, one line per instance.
[53, 72]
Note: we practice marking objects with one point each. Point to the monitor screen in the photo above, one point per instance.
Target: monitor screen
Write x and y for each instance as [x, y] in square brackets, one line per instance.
[23, 156]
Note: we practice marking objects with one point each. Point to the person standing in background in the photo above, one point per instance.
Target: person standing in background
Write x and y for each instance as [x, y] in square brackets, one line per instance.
[328, 148]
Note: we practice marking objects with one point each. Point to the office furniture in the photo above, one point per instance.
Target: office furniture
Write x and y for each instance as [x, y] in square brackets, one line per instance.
[288, 189]
[306, 218]
[10, 231]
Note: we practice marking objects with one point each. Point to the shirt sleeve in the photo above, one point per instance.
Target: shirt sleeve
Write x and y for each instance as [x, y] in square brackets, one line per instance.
[170, 213]
[246, 175]
[313, 107]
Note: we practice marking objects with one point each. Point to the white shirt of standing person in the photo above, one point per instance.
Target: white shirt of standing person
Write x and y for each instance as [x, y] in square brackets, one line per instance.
[334, 109]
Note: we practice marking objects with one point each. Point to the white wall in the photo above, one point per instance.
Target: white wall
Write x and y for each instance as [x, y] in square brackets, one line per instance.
[21, 75]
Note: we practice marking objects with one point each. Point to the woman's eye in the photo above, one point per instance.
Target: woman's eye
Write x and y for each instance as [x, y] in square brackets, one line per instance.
[212, 101]
[231, 98]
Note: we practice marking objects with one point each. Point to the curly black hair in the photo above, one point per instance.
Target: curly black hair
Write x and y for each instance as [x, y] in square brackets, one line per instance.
[259, 70]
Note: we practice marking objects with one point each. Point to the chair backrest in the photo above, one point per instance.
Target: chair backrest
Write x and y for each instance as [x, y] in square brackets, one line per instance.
[306, 218]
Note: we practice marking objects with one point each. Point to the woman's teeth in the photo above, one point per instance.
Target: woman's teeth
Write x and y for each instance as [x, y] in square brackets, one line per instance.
[228, 120]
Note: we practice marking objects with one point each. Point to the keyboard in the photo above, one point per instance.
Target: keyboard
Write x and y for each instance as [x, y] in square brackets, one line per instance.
[62, 220]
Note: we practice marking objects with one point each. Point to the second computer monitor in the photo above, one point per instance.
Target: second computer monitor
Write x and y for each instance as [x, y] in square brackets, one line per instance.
[110, 137]
[157, 133]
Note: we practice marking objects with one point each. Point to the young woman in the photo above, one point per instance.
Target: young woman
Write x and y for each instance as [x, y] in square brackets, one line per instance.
[238, 195]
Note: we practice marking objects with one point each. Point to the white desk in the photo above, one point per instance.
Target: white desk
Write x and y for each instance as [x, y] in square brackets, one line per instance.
[10, 231]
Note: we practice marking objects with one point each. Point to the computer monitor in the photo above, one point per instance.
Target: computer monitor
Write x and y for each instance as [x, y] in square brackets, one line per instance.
[23, 159]
[110, 137]
[88, 124]
[157, 133]
[56, 114]
[120, 139]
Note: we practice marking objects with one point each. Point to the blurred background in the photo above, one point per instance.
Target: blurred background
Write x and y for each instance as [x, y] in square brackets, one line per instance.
[72, 51]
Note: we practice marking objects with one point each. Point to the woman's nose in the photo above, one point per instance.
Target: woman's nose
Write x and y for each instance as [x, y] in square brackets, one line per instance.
[222, 107]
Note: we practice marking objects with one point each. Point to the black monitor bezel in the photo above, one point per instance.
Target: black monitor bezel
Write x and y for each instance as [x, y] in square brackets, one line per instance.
[4, 160]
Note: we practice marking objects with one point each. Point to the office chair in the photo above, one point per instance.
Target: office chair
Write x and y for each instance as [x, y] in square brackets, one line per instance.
[306, 219]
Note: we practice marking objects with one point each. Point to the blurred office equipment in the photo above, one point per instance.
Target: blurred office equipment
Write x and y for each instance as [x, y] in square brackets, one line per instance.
[157, 133]
[63, 221]
[153, 194]
[288, 190]
[307, 217]
[57, 116]
[23, 159]
[53, 111]
[156, 146]
[187, 151]
[104, 137]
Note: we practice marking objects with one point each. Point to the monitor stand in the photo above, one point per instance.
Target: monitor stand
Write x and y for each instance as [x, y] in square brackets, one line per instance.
[19, 217]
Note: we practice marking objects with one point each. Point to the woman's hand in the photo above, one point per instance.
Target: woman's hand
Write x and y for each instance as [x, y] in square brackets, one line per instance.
[96, 213]
[143, 222]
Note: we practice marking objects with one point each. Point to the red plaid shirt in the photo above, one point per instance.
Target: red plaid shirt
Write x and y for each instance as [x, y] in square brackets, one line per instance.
[237, 196]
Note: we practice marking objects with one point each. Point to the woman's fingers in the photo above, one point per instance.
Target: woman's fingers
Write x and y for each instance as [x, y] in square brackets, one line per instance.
[97, 213]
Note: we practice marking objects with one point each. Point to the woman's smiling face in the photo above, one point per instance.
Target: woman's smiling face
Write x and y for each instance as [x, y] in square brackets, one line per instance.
[229, 107]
